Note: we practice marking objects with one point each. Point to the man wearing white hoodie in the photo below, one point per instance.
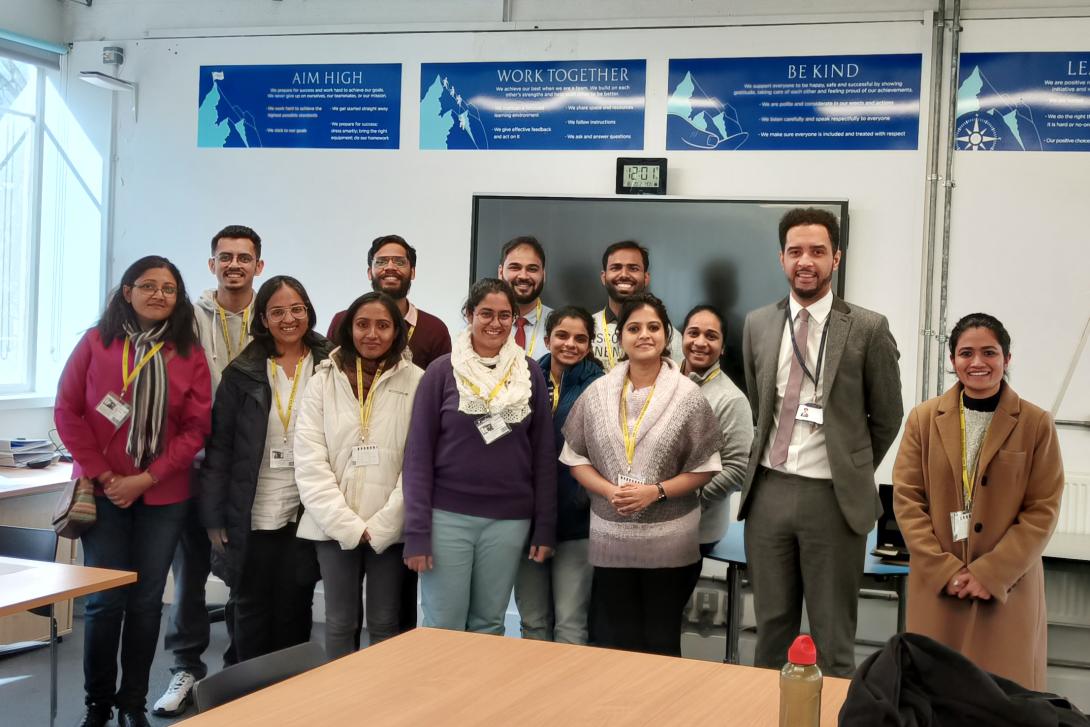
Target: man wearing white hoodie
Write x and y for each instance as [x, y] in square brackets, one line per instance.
[223, 325]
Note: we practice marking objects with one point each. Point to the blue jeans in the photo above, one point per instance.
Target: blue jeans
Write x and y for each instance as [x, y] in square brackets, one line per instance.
[140, 538]
[476, 560]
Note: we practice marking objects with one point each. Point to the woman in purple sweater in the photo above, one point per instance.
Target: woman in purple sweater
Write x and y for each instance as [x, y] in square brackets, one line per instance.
[479, 478]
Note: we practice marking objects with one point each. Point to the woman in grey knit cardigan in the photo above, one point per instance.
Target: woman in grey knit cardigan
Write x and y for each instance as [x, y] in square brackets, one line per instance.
[642, 440]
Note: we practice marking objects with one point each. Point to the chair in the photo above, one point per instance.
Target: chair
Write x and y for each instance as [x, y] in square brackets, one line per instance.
[36, 544]
[254, 674]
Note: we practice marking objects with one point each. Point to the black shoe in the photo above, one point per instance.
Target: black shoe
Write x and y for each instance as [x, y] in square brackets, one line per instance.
[126, 718]
[96, 715]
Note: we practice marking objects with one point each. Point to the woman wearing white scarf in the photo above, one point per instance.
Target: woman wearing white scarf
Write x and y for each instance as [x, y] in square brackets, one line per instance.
[479, 477]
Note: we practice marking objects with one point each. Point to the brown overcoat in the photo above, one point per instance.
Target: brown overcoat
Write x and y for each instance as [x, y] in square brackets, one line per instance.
[1016, 499]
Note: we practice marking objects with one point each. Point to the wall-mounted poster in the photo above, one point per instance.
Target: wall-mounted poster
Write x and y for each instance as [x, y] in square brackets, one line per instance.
[532, 105]
[1023, 102]
[332, 106]
[794, 103]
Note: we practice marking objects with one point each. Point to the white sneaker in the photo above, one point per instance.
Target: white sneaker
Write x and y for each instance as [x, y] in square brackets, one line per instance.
[176, 698]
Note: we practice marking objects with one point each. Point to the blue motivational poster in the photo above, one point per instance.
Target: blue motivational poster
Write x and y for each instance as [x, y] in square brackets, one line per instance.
[794, 103]
[1023, 102]
[532, 105]
[331, 106]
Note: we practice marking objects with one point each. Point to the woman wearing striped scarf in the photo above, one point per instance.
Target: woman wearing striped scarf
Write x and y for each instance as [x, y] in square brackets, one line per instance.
[133, 408]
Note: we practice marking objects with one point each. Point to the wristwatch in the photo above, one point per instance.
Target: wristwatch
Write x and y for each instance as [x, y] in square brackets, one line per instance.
[662, 492]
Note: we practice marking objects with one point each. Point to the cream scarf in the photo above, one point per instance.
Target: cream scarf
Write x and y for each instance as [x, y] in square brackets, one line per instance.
[512, 401]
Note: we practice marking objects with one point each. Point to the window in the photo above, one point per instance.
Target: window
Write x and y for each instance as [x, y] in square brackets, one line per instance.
[51, 229]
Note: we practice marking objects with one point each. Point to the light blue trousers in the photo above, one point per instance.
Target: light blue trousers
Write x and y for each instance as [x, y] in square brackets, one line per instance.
[476, 560]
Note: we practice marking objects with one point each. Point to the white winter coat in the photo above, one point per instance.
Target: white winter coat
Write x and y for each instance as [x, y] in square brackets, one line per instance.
[341, 500]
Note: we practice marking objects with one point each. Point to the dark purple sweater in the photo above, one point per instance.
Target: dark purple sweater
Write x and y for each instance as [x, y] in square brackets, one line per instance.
[449, 467]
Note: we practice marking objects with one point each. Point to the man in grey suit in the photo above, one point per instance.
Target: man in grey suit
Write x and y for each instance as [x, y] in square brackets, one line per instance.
[825, 387]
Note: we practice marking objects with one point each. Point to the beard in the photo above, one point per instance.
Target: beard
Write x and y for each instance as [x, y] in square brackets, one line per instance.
[534, 294]
[618, 296]
[821, 285]
[401, 291]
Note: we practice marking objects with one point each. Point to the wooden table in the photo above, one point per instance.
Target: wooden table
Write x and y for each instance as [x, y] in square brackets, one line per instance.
[22, 481]
[26, 584]
[432, 677]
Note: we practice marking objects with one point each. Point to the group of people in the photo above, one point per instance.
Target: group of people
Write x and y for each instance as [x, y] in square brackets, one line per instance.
[581, 461]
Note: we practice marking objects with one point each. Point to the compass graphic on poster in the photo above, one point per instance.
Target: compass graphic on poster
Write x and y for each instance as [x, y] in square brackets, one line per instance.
[976, 134]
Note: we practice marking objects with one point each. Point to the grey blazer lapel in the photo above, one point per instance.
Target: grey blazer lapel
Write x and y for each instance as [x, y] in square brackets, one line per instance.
[770, 355]
[840, 324]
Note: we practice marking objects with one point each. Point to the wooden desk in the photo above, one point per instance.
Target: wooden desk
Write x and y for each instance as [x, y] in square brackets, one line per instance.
[432, 677]
[22, 481]
[26, 584]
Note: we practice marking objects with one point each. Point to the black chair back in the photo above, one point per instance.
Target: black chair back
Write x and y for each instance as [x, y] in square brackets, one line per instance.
[29, 544]
[249, 676]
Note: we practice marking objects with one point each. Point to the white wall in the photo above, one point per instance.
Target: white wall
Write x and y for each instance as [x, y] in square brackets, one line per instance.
[40, 19]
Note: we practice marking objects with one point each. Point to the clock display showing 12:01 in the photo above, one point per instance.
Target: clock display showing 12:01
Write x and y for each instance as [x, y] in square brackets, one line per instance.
[641, 175]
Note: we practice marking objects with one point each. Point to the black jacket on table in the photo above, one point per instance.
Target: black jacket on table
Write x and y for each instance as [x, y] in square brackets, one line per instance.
[914, 681]
[236, 448]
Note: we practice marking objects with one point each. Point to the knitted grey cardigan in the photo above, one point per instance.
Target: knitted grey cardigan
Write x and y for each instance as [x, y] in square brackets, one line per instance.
[679, 433]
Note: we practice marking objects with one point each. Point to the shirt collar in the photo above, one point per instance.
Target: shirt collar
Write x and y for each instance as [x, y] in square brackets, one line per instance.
[818, 310]
[610, 317]
[531, 317]
[410, 317]
[701, 380]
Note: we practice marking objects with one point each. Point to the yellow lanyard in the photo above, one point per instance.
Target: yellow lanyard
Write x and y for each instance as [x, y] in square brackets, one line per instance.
[630, 434]
[533, 336]
[369, 400]
[126, 377]
[967, 482]
[556, 391]
[412, 330]
[714, 374]
[495, 390]
[608, 339]
[227, 332]
[285, 417]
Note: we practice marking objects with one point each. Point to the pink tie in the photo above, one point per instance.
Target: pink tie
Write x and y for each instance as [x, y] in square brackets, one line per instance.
[778, 455]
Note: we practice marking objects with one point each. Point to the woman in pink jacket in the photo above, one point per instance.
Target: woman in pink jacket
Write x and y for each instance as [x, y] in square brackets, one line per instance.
[133, 408]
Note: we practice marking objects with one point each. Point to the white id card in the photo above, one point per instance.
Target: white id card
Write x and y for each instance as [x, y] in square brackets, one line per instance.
[812, 413]
[114, 409]
[623, 480]
[492, 427]
[959, 524]
[281, 458]
[364, 455]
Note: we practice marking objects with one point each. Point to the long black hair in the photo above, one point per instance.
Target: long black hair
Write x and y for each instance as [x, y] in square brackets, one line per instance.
[260, 330]
[343, 335]
[980, 320]
[632, 304]
[580, 314]
[182, 329]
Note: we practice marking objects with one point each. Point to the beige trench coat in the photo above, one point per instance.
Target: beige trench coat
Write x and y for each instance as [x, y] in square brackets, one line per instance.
[1016, 499]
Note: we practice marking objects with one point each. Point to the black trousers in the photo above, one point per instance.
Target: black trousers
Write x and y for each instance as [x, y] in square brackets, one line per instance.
[275, 592]
[640, 609]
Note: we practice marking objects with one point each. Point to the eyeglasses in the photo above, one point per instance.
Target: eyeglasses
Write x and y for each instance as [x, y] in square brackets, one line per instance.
[397, 262]
[278, 314]
[488, 315]
[149, 289]
[243, 258]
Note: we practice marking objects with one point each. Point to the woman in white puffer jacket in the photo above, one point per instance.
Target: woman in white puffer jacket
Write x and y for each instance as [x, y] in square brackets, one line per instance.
[349, 445]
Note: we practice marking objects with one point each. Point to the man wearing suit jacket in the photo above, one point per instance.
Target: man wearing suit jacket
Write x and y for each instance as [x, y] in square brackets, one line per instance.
[825, 387]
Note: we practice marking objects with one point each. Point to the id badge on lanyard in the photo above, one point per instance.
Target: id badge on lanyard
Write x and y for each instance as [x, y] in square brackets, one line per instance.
[365, 455]
[114, 408]
[492, 427]
[281, 458]
[959, 524]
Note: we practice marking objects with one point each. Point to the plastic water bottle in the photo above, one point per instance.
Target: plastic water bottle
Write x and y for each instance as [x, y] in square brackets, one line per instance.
[800, 686]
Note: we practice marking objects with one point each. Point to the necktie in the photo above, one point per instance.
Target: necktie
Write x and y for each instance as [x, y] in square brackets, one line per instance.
[520, 331]
[778, 455]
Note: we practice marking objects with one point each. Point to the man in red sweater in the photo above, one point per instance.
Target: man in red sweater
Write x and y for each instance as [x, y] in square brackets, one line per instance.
[391, 268]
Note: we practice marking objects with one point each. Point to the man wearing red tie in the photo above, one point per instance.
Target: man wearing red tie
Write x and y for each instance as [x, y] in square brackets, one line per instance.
[522, 266]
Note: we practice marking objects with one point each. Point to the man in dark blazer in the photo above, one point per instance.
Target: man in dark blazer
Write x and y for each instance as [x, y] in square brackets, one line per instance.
[826, 393]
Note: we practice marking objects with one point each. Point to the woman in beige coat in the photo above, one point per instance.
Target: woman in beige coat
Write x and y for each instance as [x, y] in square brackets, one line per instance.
[977, 516]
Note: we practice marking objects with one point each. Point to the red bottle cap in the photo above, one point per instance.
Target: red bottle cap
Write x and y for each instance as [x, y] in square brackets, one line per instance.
[803, 651]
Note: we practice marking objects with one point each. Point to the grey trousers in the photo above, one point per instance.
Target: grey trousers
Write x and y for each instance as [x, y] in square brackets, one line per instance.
[553, 597]
[343, 571]
[798, 545]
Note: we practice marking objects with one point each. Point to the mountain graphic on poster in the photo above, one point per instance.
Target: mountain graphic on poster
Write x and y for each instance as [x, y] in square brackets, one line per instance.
[988, 119]
[222, 124]
[701, 121]
[448, 121]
